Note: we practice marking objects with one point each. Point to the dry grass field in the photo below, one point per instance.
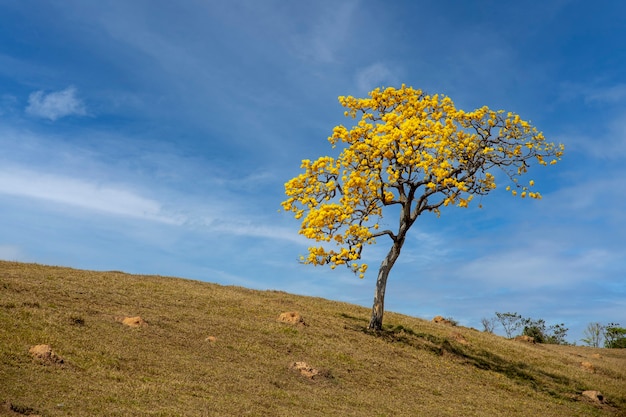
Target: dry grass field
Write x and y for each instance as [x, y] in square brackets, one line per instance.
[200, 349]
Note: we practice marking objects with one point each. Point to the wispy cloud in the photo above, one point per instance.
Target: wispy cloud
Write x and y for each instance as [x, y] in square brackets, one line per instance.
[540, 266]
[109, 199]
[613, 94]
[592, 198]
[55, 105]
[375, 75]
[216, 202]
[326, 35]
[607, 142]
[593, 93]
[7, 104]
[236, 227]
[11, 252]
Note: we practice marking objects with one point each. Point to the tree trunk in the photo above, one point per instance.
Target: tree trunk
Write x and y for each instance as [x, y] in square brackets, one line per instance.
[376, 322]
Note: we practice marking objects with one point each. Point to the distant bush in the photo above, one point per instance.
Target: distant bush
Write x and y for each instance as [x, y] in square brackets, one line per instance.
[537, 329]
[594, 333]
[510, 322]
[614, 336]
[489, 324]
[452, 321]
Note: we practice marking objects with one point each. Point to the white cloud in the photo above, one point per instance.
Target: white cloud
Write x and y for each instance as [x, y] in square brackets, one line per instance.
[83, 194]
[56, 104]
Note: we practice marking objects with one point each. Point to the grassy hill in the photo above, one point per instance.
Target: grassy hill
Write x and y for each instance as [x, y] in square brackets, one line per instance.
[209, 350]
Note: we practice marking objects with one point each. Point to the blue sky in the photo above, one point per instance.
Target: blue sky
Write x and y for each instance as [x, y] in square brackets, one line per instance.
[155, 137]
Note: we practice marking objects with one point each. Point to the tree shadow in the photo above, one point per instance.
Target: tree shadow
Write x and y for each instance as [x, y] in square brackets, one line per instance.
[558, 386]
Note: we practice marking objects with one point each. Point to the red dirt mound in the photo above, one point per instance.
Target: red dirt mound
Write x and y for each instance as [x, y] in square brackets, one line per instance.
[132, 321]
[442, 320]
[45, 355]
[292, 317]
[305, 369]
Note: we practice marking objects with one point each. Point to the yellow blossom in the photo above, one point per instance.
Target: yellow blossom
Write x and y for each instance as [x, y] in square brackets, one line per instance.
[406, 149]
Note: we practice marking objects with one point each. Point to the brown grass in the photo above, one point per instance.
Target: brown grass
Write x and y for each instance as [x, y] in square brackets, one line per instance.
[209, 350]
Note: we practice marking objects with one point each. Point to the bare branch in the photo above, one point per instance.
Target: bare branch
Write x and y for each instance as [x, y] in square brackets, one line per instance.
[383, 233]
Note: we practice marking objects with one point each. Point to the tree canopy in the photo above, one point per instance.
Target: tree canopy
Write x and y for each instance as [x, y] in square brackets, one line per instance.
[411, 150]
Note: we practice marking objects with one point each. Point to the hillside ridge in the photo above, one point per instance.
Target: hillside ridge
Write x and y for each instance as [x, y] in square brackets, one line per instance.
[197, 348]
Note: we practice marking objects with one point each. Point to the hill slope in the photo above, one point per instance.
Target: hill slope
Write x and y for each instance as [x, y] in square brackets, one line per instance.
[209, 350]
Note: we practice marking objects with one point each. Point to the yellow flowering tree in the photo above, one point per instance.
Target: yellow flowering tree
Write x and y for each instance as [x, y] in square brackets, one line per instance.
[416, 152]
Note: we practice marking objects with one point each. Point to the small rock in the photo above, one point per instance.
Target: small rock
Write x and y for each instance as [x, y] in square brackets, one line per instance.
[594, 395]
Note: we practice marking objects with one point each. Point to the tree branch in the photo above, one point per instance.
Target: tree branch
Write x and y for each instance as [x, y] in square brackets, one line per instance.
[385, 232]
